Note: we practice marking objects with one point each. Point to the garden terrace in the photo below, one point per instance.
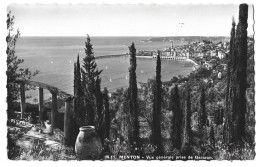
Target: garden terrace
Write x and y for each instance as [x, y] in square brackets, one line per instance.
[55, 92]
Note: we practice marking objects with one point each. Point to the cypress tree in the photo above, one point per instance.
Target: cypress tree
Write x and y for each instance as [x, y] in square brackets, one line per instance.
[212, 136]
[90, 73]
[187, 133]
[74, 125]
[156, 130]
[227, 135]
[203, 107]
[217, 117]
[241, 77]
[154, 120]
[233, 84]
[229, 63]
[99, 109]
[90, 108]
[133, 106]
[107, 113]
[202, 115]
[79, 111]
[89, 67]
[78, 79]
[129, 120]
[88, 117]
[107, 121]
[221, 116]
[176, 119]
[188, 118]
[75, 80]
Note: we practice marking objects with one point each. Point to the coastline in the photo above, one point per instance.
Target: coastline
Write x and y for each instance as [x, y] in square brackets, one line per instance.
[119, 55]
[196, 66]
[190, 60]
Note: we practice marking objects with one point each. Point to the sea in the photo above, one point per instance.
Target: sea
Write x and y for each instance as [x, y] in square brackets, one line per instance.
[54, 57]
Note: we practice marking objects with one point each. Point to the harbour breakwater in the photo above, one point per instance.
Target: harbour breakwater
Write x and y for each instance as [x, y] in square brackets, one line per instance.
[172, 57]
[110, 56]
[153, 57]
[149, 57]
[195, 65]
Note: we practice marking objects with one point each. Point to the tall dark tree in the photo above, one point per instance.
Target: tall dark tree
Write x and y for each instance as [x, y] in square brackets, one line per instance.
[90, 73]
[203, 114]
[127, 120]
[99, 109]
[176, 119]
[75, 121]
[228, 130]
[77, 79]
[90, 104]
[14, 71]
[89, 68]
[88, 116]
[241, 76]
[107, 113]
[187, 133]
[74, 80]
[79, 110]
[133, 105]
[107, 121]
[156, 124]
[212, 136]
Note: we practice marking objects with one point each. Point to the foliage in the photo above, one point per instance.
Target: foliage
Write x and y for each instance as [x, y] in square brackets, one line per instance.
[107, 114]
[187, 129]
[89, 67]
[133, 105]
[177, 118]
[239, 76]
[241, 44]
[90, 73]
[41, 152]
[203, 114]
[234, 152]
[212, 136]
[201, 72]
[156, 124]
[99, 108]
[14, 71]
[79, 108]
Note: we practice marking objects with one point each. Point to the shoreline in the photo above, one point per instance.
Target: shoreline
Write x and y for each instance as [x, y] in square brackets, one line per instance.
[190, 60]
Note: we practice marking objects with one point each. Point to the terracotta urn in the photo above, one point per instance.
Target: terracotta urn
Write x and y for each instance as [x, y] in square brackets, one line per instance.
[88, 145]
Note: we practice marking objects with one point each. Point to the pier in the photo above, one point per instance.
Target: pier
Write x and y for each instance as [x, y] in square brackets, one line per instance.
[172, 57]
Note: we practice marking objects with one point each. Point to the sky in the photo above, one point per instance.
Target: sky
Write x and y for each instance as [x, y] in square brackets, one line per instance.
[125, 20]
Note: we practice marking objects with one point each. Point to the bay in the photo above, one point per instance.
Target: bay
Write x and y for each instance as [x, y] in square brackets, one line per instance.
[54, 57]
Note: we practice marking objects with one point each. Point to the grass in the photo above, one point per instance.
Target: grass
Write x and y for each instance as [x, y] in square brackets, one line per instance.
[22, 146]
